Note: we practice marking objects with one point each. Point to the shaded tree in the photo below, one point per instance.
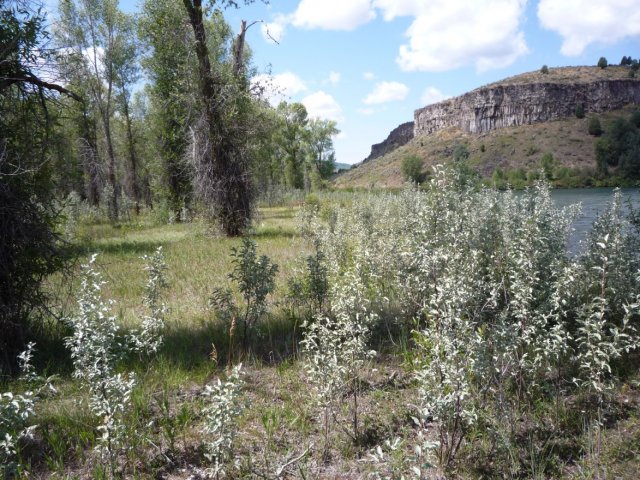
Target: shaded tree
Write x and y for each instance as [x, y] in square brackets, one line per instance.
[29, 248]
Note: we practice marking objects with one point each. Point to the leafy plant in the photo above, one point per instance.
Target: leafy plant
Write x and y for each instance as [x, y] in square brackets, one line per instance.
[149, 339]
[221, 410]
[255, 278]
[96, 346]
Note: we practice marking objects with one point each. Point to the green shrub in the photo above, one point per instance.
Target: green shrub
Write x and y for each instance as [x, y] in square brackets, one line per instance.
[595, 128]
[579, 111]
[602, 62]
[544, 70]
[412, 169]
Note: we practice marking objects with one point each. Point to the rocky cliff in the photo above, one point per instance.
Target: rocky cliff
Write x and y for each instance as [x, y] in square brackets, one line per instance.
[497, 106]
[399, 136]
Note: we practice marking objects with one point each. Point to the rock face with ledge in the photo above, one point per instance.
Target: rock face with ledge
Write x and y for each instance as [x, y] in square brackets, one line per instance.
[398, 137]
[492, 107]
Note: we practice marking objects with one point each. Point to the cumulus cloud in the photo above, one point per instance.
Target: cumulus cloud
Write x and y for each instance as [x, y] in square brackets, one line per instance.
[448, 34]
[322, 105]
[332, 14]
[432, 95]
[583, 22]
[387, 92]
[279, 87]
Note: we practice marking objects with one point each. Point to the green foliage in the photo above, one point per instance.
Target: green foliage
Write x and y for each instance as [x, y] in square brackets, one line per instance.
[620, 147]
[412, 169]
[547, 162]
[579, 110]
[602, 62]
[544, 70]
[595, 128]
[29, 245]
[460, 153]
[255, 278]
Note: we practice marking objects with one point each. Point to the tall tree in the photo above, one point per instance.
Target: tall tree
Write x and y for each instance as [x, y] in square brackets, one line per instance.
[292, 140]
[221, 164]
[29, 248]
[92, 29]
[164, 29]
[320, 139]
[127, 73]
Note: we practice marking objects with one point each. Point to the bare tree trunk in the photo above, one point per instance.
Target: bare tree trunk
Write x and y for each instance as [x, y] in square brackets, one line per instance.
[134, 186]
[89, 153]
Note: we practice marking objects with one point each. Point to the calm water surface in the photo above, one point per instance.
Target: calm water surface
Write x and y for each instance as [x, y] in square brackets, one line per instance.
[593, 201]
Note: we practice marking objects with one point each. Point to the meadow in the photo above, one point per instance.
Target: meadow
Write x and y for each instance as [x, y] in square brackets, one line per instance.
[442, 333]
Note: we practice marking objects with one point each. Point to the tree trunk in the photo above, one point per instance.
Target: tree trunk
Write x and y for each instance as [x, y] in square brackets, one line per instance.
[221, 174]
[89, 152]
[134, 186]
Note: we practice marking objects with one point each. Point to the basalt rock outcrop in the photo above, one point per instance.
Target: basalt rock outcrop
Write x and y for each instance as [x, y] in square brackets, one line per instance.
[492, 107]
[399, 136]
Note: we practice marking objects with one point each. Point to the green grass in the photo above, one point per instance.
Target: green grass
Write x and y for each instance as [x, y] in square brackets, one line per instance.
[281, 424]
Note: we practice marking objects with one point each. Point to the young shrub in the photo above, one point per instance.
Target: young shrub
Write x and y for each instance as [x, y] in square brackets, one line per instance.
[579, 110]
[602, 63]
[149, 339]
[95, 349]
[15, 412]
[335, 347]
[412, 169]
[595, 128]
[544, 70]
[221, 411]
[256, 280]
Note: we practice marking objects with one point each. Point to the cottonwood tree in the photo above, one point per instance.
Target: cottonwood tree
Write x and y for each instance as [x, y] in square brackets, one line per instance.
[222, 178]
[169, 64]
[93, 31]
[322, 155]
[292, 141]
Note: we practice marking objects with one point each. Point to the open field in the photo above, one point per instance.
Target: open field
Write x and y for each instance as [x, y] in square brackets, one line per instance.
[281, 432]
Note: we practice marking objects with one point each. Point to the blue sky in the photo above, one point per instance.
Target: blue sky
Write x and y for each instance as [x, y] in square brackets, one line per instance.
[368, 64]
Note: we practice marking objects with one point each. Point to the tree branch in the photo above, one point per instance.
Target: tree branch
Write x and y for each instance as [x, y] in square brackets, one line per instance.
[33, 80]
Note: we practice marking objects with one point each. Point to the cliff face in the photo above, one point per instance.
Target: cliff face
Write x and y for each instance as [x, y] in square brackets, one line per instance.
[398, 137]
[499, 106]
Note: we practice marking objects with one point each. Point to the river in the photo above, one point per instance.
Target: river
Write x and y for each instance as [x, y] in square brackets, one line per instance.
[593, 201]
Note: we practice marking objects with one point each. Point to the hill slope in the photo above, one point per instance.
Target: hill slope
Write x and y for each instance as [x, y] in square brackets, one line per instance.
[508, 148]
[509, 125]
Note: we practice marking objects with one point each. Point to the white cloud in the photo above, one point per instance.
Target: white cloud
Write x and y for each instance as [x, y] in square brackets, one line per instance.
[366, 111]
[432, 95]
[387, 92]
[334, 78]
[279, 87]
[322, 105]
[583, 22]
[448, 34]
[369, 76]
[274, 31]
[332, 14]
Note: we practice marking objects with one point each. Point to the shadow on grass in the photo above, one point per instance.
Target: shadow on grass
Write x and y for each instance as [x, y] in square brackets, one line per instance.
[286, 214]
[118, 248]
[273, 232]
[191, 347]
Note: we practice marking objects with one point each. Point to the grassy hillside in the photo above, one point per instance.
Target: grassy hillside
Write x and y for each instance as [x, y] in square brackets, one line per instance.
[509, 148]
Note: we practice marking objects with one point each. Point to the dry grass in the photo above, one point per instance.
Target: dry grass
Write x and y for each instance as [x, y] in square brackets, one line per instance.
[508, 148]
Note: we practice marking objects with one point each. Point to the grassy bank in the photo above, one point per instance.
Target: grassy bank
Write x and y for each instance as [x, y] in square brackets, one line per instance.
[539, 431]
